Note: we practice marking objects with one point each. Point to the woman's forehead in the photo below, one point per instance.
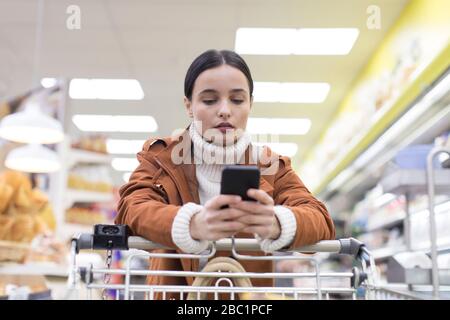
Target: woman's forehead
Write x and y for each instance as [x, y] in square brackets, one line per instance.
[224, 78]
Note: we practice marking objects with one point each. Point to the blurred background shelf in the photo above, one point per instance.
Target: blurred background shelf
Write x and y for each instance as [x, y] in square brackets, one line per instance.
[393, 221]
[37, 268]
[415, 182]
[83, 156]
[387, 252]
[73, 196]
[68, 230]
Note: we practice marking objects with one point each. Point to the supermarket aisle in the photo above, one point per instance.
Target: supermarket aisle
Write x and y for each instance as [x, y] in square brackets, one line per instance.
[357, 95]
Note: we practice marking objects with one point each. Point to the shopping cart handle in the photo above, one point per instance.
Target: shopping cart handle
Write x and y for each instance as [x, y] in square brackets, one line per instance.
[121, 240]
[104, 237]
[351, 246]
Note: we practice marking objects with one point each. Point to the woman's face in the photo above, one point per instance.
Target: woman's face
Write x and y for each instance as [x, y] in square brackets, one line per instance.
[220, 104]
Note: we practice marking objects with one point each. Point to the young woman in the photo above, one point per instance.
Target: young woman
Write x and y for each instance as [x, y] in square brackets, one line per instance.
[173, 197]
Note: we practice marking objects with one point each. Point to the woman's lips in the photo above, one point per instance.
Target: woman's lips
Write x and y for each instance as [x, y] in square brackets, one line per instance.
[224, 129]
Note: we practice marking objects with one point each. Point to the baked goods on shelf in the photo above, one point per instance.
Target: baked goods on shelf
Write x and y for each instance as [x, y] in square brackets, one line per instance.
[24, 287]
[94, 143]
[13, 251]
[88, 215]
[90, 177]
[24, 214]
[47, 248]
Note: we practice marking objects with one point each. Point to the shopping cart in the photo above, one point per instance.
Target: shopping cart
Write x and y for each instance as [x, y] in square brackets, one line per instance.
[361, 280]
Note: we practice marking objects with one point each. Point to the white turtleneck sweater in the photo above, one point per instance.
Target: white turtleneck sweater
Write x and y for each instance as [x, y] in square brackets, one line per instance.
[210, 160]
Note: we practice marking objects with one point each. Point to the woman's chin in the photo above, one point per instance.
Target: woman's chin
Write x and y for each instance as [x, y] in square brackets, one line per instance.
[223, 138]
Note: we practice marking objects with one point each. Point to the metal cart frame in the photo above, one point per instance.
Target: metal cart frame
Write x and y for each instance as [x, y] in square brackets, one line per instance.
[362, 277]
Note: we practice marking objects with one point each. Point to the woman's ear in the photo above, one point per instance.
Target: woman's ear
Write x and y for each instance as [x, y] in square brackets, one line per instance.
[188, 105]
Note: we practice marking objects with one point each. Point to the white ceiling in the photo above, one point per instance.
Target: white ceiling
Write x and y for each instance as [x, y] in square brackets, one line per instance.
[155, 41]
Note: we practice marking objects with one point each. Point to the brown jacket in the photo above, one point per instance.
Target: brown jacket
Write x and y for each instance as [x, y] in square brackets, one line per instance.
[158, 187]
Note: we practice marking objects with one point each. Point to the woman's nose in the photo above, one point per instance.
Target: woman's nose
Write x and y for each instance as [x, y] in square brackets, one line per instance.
[224, 110]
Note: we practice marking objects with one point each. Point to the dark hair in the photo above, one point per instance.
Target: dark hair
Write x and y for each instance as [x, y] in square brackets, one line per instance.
[212, 59]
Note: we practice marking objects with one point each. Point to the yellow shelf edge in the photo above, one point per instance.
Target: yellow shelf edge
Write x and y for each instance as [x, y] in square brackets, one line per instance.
[411, 92]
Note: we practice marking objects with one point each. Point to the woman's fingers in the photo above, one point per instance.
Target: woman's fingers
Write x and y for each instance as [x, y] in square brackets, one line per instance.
[263, 231]
[257, 220]
[221, 200]
[260, 195]
[227, 226]
[254, 208]
[230, 213]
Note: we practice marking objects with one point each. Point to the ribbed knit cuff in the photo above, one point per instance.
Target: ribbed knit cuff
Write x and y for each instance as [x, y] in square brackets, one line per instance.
[288, 226]
[181, 234]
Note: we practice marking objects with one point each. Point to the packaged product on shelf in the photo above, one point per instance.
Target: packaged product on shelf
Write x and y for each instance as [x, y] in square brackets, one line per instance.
[87, 215]
[90, 177]
[23, 287]
[94, 143]
[47, 248]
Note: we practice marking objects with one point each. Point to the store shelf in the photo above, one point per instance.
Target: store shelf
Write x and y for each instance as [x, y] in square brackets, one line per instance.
[381, 122]
[73, 195]
[385, 253]
[415, 182]
[391, 222]
[37, 268]
[84, 156]
[440, 249]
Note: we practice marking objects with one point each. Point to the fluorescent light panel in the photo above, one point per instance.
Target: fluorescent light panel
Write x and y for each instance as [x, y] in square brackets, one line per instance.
[281, 126]
[108, 89]
[284, 148]
[289, 41]
[112, 123]
[291, 92]
[48, 82]
[121, 146]
[124, 164]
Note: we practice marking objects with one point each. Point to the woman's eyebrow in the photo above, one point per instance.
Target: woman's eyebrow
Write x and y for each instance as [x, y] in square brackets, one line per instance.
[208, 91]
[237, 90]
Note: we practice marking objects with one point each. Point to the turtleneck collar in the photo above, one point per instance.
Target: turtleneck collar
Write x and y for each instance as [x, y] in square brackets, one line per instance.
[209, 153]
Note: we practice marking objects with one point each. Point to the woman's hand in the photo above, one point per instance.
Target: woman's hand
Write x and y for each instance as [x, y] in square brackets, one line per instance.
[259, 216]
[213, 223]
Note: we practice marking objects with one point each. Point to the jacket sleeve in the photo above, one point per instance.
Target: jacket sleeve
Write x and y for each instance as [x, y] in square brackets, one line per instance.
[313, 220]
[144, 208]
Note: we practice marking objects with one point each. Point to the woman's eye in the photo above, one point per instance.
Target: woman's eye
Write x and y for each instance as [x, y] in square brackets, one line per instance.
[209, 102]
[237, 101]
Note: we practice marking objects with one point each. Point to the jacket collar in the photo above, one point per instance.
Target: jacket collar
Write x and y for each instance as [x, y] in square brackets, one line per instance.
[181, 167]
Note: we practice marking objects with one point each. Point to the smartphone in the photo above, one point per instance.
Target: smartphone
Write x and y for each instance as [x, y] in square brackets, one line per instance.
[237, 180]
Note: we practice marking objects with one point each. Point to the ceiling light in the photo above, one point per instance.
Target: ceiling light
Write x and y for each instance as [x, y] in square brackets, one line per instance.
[110, 123]
[289, 126]
[33, 158]
[31, 126]
[288, 149]
[291, 92]
[124, 164]
[48, 82]
[110, 89]
[288, 41]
